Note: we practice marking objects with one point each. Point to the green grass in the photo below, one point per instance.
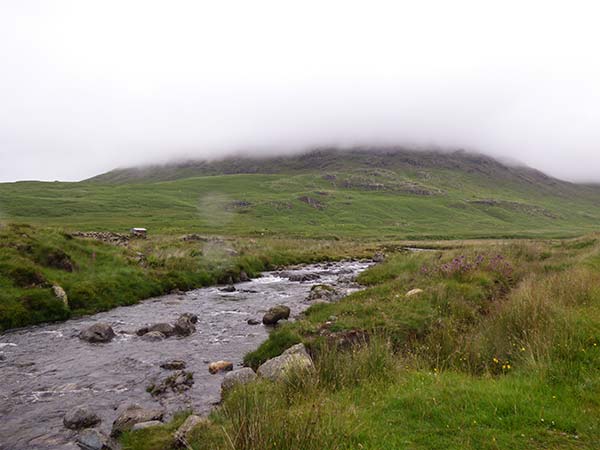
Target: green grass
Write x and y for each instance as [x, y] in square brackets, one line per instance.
[498, 354]
[98, 276]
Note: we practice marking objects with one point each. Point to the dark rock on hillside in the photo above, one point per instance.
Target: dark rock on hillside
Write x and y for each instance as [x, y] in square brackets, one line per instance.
[107, 237]
[57, 259]
[97, 333]
[276, 314]
[310, 201]
[80, 417]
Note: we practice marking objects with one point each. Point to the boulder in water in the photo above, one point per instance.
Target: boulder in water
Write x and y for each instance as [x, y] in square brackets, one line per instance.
[174, 364]
[153, 336]
[80, 417]
[252, 322]
[220, 366]
[184, 326]
[244, 276]
[99, 332]
[228, 289]
[276, 314]
[178, 382]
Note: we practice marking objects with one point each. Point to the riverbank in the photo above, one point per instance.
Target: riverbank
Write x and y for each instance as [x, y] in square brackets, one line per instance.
[101, 271]
[492, 346]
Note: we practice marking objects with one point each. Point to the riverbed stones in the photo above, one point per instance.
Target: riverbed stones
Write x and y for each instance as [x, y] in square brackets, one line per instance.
[253, 322]
[135, 414]
[244, 276]
[178, 382]
[228, 289]
[184, 326]
[98, 333]
[92, 439]
[294, 359]
[174, 364]
[80, 417]
[165, 328]
[303, 276]
[183, 434]
[237, 377]
[153, 336]
[275, 314]
[323, 292]
[220, 366]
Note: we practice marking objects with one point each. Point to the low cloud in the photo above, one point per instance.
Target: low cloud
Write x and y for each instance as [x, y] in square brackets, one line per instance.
[87, 88]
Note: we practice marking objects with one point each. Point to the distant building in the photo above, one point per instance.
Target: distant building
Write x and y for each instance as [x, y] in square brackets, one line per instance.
[139, 232]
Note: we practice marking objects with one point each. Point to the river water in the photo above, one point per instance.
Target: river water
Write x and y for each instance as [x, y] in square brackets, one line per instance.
[47, 370]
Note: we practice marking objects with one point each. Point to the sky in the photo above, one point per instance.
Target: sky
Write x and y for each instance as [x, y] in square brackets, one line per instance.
[87, 86]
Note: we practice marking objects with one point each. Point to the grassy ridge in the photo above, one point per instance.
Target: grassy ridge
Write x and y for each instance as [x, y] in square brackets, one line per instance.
[500, 350]
[97, 276]
[328, 195]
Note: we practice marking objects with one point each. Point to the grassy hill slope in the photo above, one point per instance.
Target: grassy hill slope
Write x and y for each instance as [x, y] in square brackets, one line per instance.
[385, 194]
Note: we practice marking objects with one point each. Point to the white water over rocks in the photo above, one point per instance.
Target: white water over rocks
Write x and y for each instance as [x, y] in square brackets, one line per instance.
[47, 370]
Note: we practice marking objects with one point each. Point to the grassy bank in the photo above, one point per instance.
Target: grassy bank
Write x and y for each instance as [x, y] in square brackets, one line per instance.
[500, 350]
[97, 276]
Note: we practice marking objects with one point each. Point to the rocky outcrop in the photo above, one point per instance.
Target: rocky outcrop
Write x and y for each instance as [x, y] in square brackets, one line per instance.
[237, 377]
[98, 333]
[294, 359]
[107, 237]
[132, 415]
[220, 366]
[183, 434]
[80, 417]
[275, 314]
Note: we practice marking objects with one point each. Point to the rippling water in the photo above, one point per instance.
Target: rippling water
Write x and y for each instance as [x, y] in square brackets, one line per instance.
[48, 370]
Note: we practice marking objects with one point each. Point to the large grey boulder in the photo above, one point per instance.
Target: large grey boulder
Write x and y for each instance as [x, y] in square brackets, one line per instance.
[294, 359]
[275, 314]
[132, 415]
[99, 332]
[184, 432]
[92, 439]
[80, 417]
[237, 377]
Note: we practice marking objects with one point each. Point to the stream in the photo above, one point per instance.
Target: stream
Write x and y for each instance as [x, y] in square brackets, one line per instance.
[47, 370]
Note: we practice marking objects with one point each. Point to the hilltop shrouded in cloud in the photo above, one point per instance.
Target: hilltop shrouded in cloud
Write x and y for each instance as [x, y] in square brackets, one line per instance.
[89, 87]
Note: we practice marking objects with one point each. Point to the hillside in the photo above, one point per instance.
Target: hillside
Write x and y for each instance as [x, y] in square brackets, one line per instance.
[326, 193]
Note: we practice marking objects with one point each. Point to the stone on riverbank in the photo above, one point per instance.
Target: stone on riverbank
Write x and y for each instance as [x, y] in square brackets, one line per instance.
[135, 414]
[149, 424]
[99, 332]
[237, 377]
[91, 439]
[80, 417]
[183, 434]
[296, 358]
[275, 314]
